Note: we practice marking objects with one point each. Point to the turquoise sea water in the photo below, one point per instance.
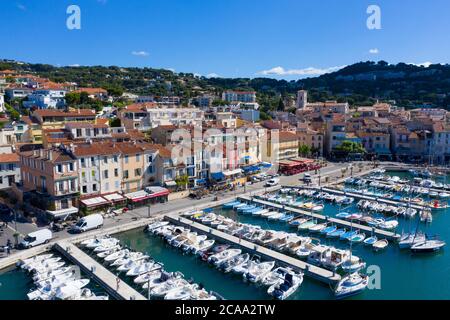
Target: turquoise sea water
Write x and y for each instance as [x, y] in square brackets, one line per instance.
[403, 275]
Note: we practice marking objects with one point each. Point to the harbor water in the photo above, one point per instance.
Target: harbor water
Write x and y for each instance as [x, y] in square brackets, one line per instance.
[403, 275]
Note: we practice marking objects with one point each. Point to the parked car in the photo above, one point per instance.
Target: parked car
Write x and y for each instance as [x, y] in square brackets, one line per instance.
[93, 221]
[272, 182]
[36, 238]
[307, 178]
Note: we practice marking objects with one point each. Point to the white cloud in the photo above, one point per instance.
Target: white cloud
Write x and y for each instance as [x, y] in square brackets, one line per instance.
[140, 53]
[311, 71]
[423, 64]
[74, 65]
[21, 7]
[374, 51]
[212, 75]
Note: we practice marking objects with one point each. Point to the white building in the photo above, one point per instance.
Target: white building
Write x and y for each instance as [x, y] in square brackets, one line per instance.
[2, 101]
[9, 170]
[239, 96]
[46, 99]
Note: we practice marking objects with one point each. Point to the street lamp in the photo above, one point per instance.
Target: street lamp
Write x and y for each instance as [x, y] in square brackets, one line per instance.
[148, 211]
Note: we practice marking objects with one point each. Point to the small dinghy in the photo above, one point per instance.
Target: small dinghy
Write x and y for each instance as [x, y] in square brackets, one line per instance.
[223, 256]
[358, 238]
[380, 245]
[336, 234]
[370, 241]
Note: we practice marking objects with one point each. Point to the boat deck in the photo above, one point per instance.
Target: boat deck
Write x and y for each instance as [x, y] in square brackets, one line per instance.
[98, 272]
[323, 275]
[343, 223]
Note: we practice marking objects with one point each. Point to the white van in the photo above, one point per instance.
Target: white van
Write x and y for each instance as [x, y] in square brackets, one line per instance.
[272, 182]
[36, 238]
[93, 221]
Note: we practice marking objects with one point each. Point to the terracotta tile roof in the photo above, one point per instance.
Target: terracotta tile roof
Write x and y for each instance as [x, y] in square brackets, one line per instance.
[91, 90]
[9, 157]
[96, 149]
[85, 125]
[285, 136]
[59, 113]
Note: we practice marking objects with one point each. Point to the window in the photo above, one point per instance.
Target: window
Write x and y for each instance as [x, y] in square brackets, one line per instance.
[137, 172]
[72, 185]
[93, 173]
[105, 160]
[126, 159]
[94, 187]
[92, 161]
[85, 189]
[61, 186]
[105, 174]
[59, 168]
[107, 186]
[116, 172]
[83, 162]
[116, 159]
[117, 184]
[125, 174]
[71, 166]
[138, 157]
[149, 159]
[78, 132]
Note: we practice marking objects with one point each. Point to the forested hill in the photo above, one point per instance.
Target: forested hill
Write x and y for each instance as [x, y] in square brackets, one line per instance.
[360, 83]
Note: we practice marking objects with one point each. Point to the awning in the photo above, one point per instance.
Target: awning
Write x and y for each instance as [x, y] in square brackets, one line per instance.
[247, 158]
[170, 183]
[137, 196]
[200, 181]
[64, 213]
[265, 165]
[250, 169]
[154, 192]
[232, 172]
[217, 176]
[115, 197]
[94, 202]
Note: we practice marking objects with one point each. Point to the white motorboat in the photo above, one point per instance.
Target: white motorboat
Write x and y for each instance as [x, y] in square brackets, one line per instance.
[163, 277]
[130, 265]
[243, 268]
[181, 293]
[86, 294]
[238, 260]
[38, 264]
[36, 259]
[50, 292]
[275, 276]
[48, 267]
[428, 245]
[143, 268]
[53, 281]
[71, 289]
[333, 258]
[258, 270]
[48, 288]
[104, 254]
[149, 276]
[202, 246]
[109, 246]
[44, 276]
[104, 242]
[287, 287]
[116, 255]
[351, 285]
[409, 239]
[161, 290]
[353, 264]
[223, 256]
[157, 225]
[133, 256]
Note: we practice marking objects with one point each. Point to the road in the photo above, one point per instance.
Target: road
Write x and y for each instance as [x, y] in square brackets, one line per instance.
[333, 171]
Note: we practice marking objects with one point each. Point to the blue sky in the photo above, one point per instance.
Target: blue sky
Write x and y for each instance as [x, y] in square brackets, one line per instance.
[229, 38]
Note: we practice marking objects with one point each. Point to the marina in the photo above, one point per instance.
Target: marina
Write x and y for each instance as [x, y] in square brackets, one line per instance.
[390, 259]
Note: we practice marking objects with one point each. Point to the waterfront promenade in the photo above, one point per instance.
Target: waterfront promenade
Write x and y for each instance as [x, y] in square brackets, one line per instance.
[317, 273]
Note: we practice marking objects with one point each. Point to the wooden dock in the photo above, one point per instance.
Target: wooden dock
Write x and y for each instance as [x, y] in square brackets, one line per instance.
[320, 274]
[361, 196]
[98, 272]
[342, 223]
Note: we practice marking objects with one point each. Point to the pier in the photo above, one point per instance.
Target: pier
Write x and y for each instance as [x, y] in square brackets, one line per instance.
[361, 196]
[98, 272]
[317, 273]
[342, 223]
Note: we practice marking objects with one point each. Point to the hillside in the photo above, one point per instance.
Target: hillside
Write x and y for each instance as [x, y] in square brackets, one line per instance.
[360, 83]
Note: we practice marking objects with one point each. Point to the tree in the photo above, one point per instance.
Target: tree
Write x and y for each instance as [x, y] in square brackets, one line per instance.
[304, 150]
[351, 147]
[182, 181]
[280, 106]
[114, 123]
